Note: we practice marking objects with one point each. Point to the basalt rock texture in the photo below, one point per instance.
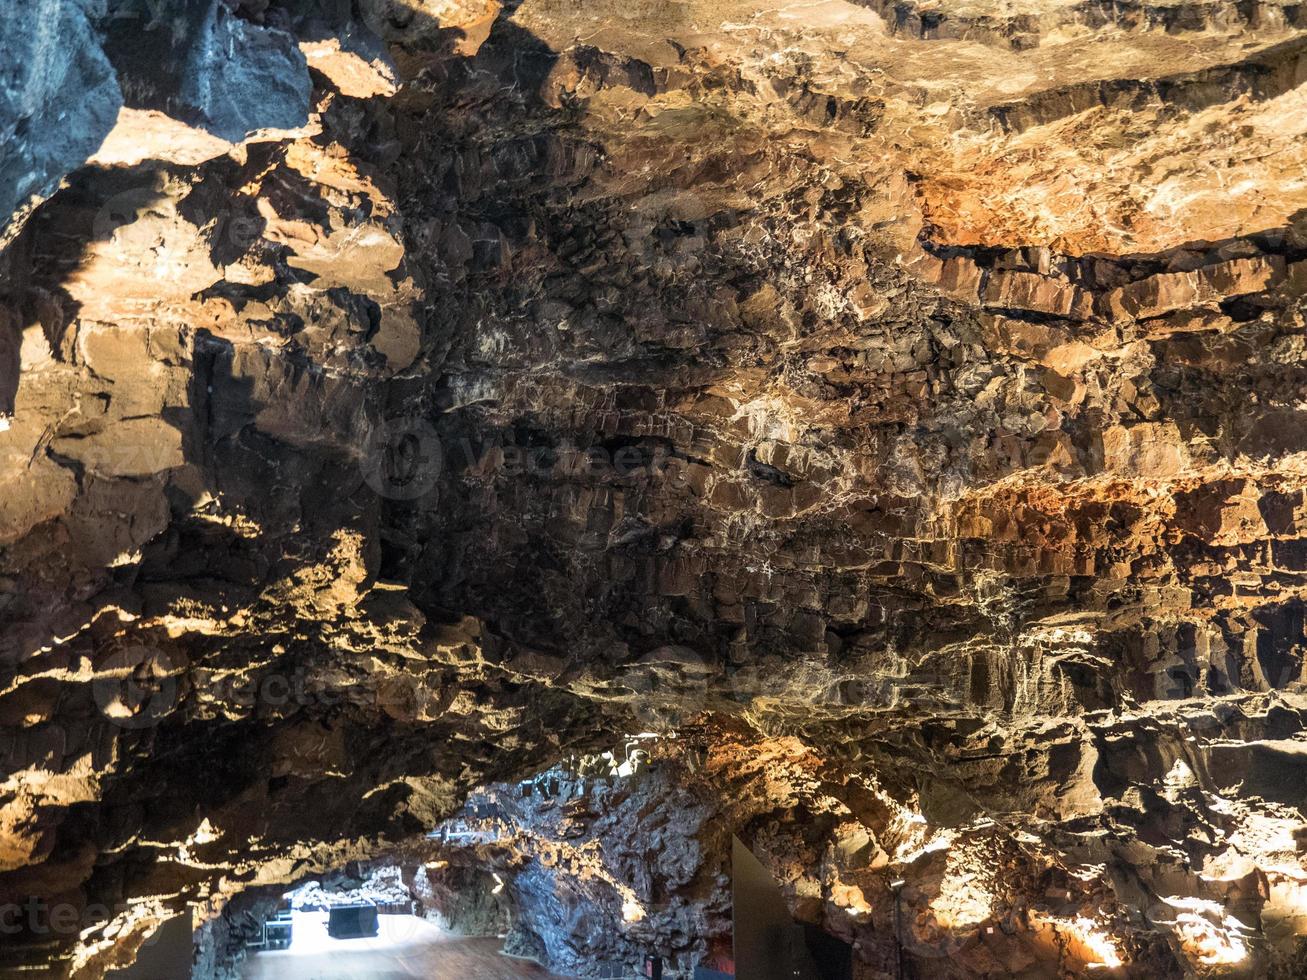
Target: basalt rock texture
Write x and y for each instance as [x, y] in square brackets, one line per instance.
[902, 403]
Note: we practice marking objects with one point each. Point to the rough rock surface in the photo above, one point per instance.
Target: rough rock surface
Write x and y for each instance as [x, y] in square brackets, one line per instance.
[581, 848]
[906, 400]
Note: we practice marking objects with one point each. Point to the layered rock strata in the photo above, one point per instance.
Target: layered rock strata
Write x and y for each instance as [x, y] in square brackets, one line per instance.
[400, 397]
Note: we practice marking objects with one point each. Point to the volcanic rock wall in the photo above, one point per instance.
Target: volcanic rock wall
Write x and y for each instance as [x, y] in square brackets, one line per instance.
[398, 396]
[580, 849]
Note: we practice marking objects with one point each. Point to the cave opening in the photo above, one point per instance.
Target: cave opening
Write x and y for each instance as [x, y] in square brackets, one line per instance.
[514, 883]
[475, 475]
[373, 927]
[393, 917]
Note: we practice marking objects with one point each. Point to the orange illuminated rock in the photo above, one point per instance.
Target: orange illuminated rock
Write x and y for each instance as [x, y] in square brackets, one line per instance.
[1147, 450]
[881, 428]
[1029, 291]
[1203, 287]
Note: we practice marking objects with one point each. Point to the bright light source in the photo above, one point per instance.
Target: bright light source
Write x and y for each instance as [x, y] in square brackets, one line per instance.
[1089, 941]
[857, 903]
[965, 896]
[919, 843]
[1206, 932]
[1097, 942]
[205, 833]
[1212, 945]
[309, 938]
[499, 884]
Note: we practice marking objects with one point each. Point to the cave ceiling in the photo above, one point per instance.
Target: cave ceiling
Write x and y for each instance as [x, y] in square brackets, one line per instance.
[904, 405]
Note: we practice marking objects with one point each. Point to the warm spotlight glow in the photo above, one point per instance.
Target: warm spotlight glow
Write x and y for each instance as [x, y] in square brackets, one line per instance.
[632, 911]
[1088, 940]
[962, 902]
[1211, 945]
[851, 899]
[920, 842]
[1092, 937]
[206, 833]
[1207, 934]
[970, 883]
[1208, 944]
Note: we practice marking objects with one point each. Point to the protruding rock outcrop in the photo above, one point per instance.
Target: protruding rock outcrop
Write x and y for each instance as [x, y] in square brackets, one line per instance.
[903, 406]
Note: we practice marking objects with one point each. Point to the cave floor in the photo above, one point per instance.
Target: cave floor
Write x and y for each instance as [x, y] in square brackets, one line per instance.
[406, 947]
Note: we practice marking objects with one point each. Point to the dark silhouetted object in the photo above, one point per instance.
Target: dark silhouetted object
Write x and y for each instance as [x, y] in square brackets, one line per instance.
[897, 888]
[278, 931]
[833, 956]
[352, 921]
[768, 943]
[166, 955]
